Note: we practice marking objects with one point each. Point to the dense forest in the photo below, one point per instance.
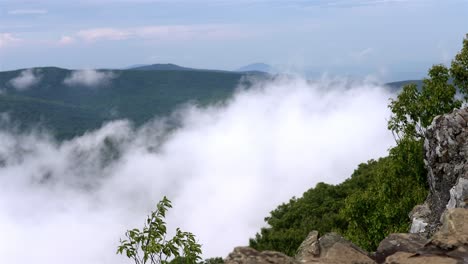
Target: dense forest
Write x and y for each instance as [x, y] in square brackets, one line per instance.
[376, 199]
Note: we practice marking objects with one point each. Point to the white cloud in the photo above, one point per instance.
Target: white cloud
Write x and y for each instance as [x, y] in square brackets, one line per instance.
[224, 169]
[169, 32]
[66, 40]
[90, 78]
[28, 12]
[8, 39]
[95, 34]
[25, 80]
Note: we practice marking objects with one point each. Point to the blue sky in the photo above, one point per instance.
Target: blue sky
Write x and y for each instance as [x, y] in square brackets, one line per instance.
[390, 39]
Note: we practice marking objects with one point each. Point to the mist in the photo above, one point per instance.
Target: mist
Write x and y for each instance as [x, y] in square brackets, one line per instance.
[224, 167]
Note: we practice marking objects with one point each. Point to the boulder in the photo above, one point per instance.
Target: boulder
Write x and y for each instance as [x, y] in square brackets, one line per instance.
[454, 230]
[309, 249]
[331, 249]
[403, 242]
[412, 258]
[247, 255]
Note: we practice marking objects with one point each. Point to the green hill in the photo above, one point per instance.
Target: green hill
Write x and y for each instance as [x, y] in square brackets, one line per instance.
[138, 95]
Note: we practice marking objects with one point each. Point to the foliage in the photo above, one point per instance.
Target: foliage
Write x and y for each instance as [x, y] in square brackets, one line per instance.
[182, 260]
[374, 213]
[318, 209]
[150, 243]
[413, 110]
[459, 69]
[216, 260]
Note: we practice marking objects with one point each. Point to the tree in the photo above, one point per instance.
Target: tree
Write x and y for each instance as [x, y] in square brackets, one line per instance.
[150, 243]
[459, 69]
[413, 110]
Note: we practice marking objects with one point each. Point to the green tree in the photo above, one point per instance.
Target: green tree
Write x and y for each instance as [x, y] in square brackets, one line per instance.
[150, 243]
[376, 212]
[413, 110]
[459, 69]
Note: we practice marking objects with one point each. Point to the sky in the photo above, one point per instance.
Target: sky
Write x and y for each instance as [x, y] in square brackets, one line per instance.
[389, 39]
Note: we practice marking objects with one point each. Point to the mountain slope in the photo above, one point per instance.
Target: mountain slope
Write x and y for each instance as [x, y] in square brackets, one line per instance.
[138, 95]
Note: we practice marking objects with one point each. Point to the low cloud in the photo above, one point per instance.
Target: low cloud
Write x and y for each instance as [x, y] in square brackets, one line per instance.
[25, 80]
[224, 168]
[90, 78]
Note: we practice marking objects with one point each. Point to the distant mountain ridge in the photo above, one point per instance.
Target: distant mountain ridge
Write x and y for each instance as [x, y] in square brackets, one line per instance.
[259, 67]
[161, 67]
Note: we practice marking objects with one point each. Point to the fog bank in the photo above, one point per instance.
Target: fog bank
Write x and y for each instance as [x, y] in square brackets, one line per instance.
[224, 168]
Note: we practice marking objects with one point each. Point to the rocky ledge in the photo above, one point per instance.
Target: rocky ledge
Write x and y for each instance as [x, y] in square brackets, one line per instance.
[439, 230]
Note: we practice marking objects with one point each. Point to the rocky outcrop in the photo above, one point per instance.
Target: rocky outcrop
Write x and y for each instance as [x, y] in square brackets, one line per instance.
[448, 245]
[446, 146]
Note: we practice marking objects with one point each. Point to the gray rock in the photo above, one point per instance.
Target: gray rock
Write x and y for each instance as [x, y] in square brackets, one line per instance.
[403, 242]
[411, 258]
[309, 248]
[419, 214]
[446, 146]
[335, 249]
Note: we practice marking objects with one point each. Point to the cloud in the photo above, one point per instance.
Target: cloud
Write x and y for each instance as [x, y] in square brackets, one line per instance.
[66, 40]
[224, 168]
[90, 78]
[25, 80]
[28, 12]
[95, 34]
[362, 54]
[8, 39]
[167, 32]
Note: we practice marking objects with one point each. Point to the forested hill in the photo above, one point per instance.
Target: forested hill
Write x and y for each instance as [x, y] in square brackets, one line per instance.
[71, 102]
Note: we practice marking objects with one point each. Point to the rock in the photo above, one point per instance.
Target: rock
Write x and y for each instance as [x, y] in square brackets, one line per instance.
[247, 255]
[411, 258]
[403, 242]
[419, 214]
[460, 253]
[459, 194]
[454, 230]
[446, 146]
[331, 248]
[309, 248]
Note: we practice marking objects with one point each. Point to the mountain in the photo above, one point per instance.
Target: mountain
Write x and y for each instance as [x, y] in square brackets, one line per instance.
[68, 106]
[161, 67]
[134, 66]
[400, 84]
[257, 67]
